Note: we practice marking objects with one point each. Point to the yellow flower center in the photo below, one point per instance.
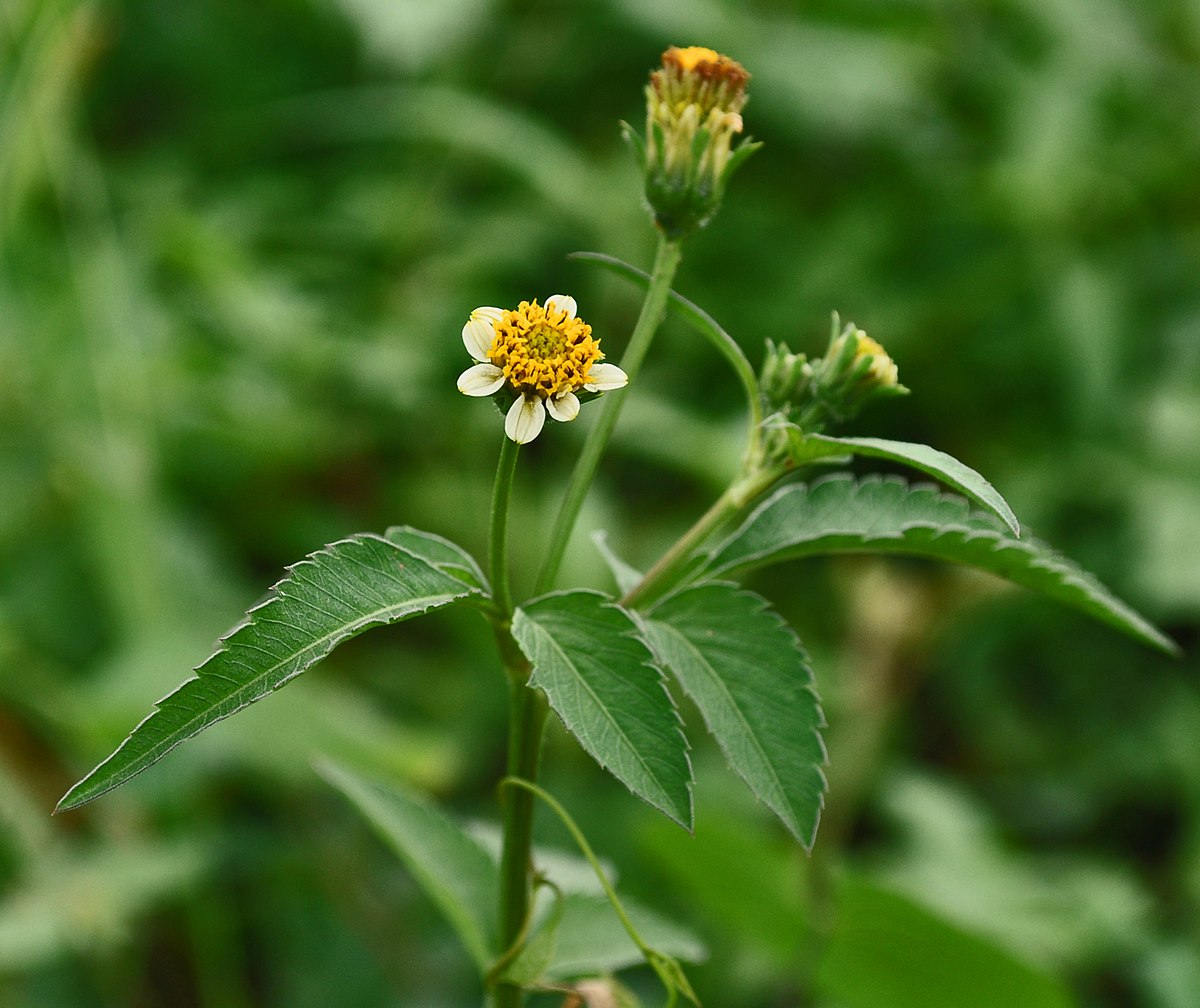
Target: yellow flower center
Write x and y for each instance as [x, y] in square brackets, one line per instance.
[543, 352]
[882, 368]
[701, 77]
[688, 58]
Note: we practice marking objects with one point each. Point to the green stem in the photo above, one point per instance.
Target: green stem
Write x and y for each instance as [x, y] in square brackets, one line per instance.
[527, 717]
[666, 261]
[662, 575]
[668, 970]
[498, 529]
[529, 789]
[699, 320]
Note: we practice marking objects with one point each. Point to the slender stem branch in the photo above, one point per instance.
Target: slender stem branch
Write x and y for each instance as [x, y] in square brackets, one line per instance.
[498, 529]
[527, 787]
[668, 970]
[661, 576]
[700, 320]
[666, 261]
[670, 562]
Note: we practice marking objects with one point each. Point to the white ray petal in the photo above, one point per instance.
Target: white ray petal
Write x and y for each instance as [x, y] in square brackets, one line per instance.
[563, 302]
[480, 330]
[563, 407]
[605, 377]
[481, 380]
[525, 419]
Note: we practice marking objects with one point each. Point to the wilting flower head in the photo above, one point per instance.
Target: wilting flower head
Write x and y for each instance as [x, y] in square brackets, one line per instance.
[693, 111]
[539, 355]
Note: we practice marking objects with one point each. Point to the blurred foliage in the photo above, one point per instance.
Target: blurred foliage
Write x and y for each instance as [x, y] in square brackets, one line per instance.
[237, 243]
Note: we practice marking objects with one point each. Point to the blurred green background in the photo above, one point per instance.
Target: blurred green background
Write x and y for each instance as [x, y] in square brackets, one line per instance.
[237, 243]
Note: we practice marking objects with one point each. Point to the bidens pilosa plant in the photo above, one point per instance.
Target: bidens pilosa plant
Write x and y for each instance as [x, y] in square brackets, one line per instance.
[609, 663]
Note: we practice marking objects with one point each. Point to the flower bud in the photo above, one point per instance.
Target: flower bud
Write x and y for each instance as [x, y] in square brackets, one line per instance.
[784, 380]
[693, 113]
[802, 397]
[855, 371]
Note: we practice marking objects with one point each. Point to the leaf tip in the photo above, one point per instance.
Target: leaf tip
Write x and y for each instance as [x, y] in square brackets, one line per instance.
[1166, 645]
[1009, 518]
[71, 800]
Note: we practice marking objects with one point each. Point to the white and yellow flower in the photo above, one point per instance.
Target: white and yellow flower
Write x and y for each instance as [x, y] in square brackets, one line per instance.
[543, 354]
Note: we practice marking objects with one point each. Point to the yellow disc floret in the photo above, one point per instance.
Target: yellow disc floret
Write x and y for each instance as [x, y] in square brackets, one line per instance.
[689, 56]
[544, 351]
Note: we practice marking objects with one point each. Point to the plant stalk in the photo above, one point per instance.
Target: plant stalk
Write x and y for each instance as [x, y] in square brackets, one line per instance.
[666, 262]
[662, 576]
[498, 529]
[527, 717]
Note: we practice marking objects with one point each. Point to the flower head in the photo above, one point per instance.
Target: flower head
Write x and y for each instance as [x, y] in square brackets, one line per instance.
[693, 112]
[542, 356]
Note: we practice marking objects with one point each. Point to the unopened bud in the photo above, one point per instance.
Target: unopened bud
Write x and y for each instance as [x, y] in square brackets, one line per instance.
[693, 113]
[856, 369]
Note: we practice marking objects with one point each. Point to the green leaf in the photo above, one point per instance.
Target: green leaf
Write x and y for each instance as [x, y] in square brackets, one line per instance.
[960, 477]
[530, 965]
[455, 871]
[439, 552]
[839, 514]
[623, 574]
[746, 671]
[602, 682]
[886, 950]
[330, 596]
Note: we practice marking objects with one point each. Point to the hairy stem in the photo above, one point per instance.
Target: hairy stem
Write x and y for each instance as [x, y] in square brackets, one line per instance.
[666, 261]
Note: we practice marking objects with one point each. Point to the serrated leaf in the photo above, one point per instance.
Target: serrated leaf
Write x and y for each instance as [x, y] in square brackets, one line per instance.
[746, 671]
[948, 469]
[886, 515]
[601, 680]
[328, 597]
[455, 871]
